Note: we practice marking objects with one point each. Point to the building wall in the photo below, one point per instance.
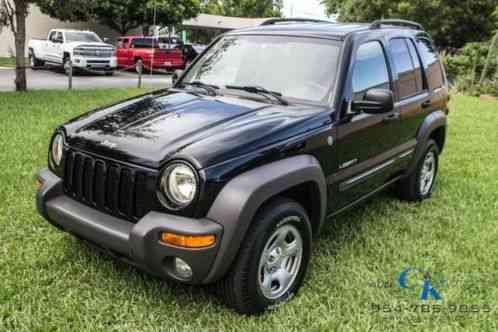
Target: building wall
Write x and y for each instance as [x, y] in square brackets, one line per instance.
[38, 25]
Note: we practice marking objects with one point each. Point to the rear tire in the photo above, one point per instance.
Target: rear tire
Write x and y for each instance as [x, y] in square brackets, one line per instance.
[272, 261]
[420, 184]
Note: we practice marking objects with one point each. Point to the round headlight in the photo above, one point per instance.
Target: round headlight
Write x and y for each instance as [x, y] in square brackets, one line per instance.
[57, 149]
[179, 185]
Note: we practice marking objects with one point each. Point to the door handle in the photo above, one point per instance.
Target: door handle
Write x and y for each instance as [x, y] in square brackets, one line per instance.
[392, 117]
[427, 104]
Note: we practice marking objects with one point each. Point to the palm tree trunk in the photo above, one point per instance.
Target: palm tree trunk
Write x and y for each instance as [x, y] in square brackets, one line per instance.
[488, 59]
[20, 41]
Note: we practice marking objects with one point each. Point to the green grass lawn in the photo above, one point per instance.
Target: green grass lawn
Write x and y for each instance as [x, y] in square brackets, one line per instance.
[50, 281]
[8, 62]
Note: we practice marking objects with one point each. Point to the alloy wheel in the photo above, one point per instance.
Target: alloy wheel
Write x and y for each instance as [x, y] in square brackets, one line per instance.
[428, 173]
[280, 261]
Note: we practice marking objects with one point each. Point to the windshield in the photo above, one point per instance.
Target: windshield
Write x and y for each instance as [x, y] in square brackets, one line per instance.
[300, 68]
[86, 37]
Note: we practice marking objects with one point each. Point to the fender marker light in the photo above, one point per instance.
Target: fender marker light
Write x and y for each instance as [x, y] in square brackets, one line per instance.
[188, 241]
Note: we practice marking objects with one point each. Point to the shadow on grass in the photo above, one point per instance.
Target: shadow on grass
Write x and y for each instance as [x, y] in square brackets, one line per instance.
[347, 226]
[136, 278]
[336, 233]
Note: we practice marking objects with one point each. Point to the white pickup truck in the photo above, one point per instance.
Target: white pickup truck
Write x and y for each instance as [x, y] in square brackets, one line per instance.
[84, 49]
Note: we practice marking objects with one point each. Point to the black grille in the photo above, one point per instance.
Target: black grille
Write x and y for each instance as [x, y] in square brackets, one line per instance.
[108, 186]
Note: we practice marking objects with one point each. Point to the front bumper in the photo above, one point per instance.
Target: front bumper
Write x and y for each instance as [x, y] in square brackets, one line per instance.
[137, 244]
[95, 63]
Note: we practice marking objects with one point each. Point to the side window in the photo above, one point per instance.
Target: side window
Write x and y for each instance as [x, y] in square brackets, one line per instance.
[408, 84]
[59, 37]
[432, 66]
[52, 36]
[370, 70]
[123, 42]
[418, 66]
[143, 43]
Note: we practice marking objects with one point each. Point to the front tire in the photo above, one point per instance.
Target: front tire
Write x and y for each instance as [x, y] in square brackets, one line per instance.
[420, 184]
[34, 63]
[273, 260]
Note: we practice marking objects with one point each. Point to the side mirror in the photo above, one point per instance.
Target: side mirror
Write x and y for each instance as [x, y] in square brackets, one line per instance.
[176, 75]
[375, 101]
[106, 40]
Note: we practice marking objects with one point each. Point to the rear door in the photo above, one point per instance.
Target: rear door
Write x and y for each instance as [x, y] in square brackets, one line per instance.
[412, 97]
[142, 48]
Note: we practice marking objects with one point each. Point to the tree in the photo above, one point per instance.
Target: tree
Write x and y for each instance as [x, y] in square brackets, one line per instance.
[451, 23]
[122, 15]
[172, 12]
[244, 8]
[13, 15]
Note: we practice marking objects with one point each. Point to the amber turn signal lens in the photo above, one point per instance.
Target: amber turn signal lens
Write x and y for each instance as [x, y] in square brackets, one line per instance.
[188, 241]
[38, 184]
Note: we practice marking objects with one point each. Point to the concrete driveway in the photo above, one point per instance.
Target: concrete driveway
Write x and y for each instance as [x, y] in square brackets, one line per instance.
[52, 79]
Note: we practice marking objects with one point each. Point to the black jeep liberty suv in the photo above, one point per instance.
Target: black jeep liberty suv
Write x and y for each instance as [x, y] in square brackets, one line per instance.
[226, 178]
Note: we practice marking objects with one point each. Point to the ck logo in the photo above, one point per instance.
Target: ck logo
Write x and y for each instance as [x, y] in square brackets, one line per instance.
[429, 284]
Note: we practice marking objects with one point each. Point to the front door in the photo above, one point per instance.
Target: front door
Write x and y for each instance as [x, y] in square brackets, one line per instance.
[54, 47]
[366, 143]
[50, 47]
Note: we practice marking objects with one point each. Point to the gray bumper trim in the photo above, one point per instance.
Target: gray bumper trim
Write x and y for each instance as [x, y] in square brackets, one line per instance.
[138, 243]
[76, 218]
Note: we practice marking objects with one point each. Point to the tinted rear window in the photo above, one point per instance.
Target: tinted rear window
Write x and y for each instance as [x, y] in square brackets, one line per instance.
[409, 79]
[431, 63]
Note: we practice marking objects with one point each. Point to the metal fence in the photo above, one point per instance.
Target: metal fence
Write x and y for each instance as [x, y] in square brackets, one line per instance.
[70, 71]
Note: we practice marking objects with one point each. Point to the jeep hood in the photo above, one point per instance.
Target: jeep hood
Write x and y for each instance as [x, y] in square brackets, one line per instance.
[152, 129]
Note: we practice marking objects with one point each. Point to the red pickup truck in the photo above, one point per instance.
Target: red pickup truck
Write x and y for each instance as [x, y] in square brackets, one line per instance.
[153, 53]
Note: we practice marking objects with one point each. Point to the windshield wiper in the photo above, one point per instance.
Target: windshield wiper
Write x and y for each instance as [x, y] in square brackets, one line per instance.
[210, 88]
[260, 91]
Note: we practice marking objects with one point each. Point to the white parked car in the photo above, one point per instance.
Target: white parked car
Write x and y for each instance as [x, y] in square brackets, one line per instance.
[84, 49]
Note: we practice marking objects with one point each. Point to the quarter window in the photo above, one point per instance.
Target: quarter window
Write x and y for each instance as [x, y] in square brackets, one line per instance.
[370, 70]
[409, 81]
[431, 63]
[52, 38]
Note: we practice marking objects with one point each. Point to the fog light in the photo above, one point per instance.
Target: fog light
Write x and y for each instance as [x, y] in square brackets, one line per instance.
[188, 241]
[181, 269]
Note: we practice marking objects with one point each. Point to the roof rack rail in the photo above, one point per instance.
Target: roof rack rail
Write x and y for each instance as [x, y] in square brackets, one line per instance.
[274, 21]
[395, 22]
